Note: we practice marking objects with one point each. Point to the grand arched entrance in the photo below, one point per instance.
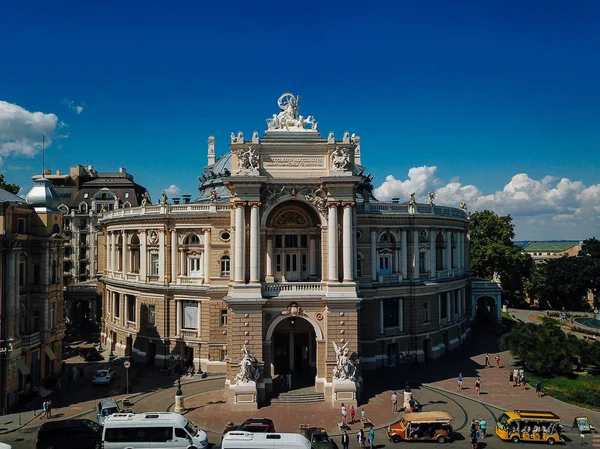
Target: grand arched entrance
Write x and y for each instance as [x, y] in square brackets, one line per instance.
[294, 352]
[486, 310]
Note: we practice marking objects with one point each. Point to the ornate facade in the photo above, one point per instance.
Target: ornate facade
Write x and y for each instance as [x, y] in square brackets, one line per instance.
[31, 294]
[287, 256]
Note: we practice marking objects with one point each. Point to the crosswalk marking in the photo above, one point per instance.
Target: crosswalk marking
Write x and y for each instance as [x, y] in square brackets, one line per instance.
[596, 440]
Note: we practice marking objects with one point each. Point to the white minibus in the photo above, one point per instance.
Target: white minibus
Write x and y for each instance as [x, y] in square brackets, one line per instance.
[153, 429]
[246, 440]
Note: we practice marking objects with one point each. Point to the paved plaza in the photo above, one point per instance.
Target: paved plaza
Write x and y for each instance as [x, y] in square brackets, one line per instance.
[434, 386]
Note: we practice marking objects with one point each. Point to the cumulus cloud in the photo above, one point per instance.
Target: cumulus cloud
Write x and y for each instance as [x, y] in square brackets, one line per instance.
[21, 130]
[173, 191]
[77, 108]
[547, 208]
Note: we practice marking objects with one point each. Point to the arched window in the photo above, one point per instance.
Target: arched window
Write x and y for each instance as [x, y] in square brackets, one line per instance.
[134, 253]
[193, 239]
[359, 265]
[439, 252]
[83, 208]
[225, 266]
[120, 253]
[53, 275]
[426, 312]
[453, 250]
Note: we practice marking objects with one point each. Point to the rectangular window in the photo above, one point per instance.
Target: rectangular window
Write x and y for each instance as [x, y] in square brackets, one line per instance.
[190, 314]
[390, 312]
[53, 315]
[443, 307]
[422, 262]
[278, 242]
[117, 311]
[304, 241]
[36, 274]
[108, 303]
[359, 266]
[224, 317]
[131, 308]
[223, 354]
[278, 263]
[22, 274]
[36, 321]
[154, 264]
[21, 226]
[439, 258]
[152, 315]
[291, 241]
[303, 262]
[225, 266]
[426, 312]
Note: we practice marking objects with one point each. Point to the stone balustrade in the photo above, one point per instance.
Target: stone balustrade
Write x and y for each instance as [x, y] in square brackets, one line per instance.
[291, 289]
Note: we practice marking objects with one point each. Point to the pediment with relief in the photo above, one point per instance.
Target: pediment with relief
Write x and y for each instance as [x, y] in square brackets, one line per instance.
[291, 219]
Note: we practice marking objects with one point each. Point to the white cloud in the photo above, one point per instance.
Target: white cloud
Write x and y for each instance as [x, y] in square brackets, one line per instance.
[542, 209]
[72, 106]
[173, 191]
[21, 130]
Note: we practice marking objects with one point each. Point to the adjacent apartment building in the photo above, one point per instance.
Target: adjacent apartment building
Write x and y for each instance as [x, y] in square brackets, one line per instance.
[31, 293]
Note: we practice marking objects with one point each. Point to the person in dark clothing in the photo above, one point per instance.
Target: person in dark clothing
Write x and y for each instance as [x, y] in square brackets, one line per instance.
[345, 440]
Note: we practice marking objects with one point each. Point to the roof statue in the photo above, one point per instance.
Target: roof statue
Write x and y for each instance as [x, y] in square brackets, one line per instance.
[289, 119]
[430, 198]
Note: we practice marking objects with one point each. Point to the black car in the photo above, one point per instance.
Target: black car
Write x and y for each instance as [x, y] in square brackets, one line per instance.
[318, 438]
[255, 425]
[69, 434]
[90, 354]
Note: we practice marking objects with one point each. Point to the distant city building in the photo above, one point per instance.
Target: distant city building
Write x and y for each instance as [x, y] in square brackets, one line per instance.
[84, 194]
[543, 251]
[31, 294]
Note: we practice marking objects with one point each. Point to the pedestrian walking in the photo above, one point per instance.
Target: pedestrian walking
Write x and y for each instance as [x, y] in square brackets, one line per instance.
[487, 360]
[352, 414]
[483, 427]
[44, 410]
[412, 405]
[516, 377]
[394, 402]
[538, 388]
[460, 381]
[49, 405]
[362, 414]
[478, 385]
[360, 437]
[289, 381]
[473, 437]
[497, 360]
[371, 437]
[344, 414]
[511, 379]
[523, 383]
[345, 440]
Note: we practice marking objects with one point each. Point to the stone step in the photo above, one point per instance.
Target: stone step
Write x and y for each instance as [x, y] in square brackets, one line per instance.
[298, 398]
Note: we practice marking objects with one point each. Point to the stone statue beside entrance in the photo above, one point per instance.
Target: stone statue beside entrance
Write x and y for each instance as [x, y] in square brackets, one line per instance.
[249, 371]
[345, 368]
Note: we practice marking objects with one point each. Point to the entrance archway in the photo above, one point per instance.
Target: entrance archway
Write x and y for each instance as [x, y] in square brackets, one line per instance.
[294, 351]
[486, 310]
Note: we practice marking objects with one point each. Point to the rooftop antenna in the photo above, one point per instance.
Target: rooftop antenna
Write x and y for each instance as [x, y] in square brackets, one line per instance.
[43, 151]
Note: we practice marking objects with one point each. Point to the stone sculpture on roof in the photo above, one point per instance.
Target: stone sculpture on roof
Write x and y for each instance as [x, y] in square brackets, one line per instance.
[288, 118]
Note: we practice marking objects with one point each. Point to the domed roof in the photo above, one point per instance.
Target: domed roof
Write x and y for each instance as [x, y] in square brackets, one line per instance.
[211, 180]
[43, 196]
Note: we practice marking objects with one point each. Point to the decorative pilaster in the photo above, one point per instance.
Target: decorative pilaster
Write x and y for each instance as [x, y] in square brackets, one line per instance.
[373, 256]
[312, 255]
[124, 252]
[161, 255]
[404, 261]
[448, 251]
[254, 242]
[432, 253]
[113, 263]
[143, 256]
[332, 242]
[269, 260]
[240, 234]
[206, 256]
[174, 248]
[347, 240]
[416, 274]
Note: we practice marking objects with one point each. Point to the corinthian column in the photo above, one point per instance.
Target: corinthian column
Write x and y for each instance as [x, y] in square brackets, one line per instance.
[432, 253]
[416, 274]
[254, 242]
[332, 243]
[448, 251]
[347, 241]
[240, 234]
[173, 255]
[206, 256]
[373, 256]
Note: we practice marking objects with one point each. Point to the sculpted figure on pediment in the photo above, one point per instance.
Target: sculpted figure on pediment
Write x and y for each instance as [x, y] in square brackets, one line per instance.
[340, 158]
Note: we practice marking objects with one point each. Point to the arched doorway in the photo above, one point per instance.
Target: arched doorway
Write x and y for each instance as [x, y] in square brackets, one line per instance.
[486, 310]
[294, 352]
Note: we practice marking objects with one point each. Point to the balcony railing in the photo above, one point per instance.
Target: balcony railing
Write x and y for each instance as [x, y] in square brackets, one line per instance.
[394, 278]
[186, 333]
[130, 325]
[133, 277]
[292, 289]
[165, 209]
[449, 273]
[184, 280]
[31, 340]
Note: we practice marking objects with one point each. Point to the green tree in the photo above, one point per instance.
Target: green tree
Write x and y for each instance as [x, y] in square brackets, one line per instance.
[13, 188]
[590, 253]
[565, 284]
[493, 252]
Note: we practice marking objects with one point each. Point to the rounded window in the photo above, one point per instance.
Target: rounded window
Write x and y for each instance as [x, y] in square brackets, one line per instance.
[225, 236]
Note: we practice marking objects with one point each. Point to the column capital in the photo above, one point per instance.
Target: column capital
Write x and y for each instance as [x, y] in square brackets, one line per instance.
[348, 203]
[254, 203]
[207, 230]
[172, 231]
[239, 204]
[332, 204]
[142, 231]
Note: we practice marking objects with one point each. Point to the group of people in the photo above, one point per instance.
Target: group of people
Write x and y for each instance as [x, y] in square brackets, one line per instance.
[459, 381]
[286, 382]
[496, 359]
[516, 378]
[352, 412]
[478, 430]
[47, 409]
[534, 428]
[360, 438]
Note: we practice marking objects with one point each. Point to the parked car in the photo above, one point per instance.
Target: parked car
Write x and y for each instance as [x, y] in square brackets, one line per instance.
[256, 425]
[103, 376]
[318, 438]
[91, 355]
[4, 446]
[69, 434]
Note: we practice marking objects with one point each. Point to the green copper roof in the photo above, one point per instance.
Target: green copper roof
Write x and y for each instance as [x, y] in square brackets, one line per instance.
[551, 246]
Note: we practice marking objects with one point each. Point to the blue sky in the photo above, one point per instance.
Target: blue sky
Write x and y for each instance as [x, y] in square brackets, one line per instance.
[484, 91]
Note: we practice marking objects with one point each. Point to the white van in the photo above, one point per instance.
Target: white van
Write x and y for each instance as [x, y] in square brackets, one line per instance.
[154, 429]
[244, 440]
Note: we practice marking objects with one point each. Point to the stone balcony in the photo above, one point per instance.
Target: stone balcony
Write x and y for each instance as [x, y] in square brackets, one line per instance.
[185, 280]
[154, 210]
[393, 278]
[292, 289]
[188, 333]
[30, 340]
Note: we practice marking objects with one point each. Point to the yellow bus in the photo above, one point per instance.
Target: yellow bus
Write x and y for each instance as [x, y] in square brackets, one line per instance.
[529, 425]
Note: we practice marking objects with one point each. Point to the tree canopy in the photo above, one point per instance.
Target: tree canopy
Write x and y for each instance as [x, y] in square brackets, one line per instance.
[12, 188]
[493, 252]
[590, 254]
